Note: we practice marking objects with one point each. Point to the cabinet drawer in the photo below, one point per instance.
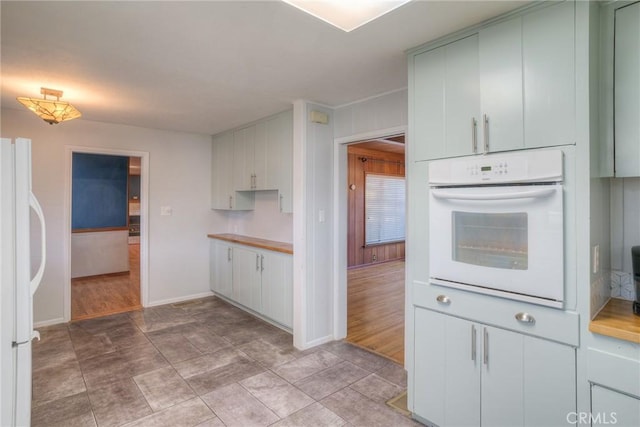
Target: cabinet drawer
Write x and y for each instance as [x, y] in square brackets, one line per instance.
[549, 323]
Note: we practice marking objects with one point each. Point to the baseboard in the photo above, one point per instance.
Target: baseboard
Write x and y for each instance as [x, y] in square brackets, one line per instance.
[179, 299]
[50, 322]
[317, 342]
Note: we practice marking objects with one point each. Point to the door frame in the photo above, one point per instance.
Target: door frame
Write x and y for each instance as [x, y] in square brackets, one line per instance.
[340, 227]
[144, 218]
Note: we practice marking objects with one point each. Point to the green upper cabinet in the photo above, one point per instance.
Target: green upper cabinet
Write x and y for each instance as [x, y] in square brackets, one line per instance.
[446, 100]
[501, 86]
[627, 91]
[507, 86]
[548, 51]
[255, 157]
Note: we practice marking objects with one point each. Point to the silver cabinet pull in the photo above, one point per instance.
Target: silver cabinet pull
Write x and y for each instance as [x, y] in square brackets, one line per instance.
[257, 262]
[230, 202]
[443, 299]
[229, 253]
[474, 135]
[473, 342]
[525, 318]
[485, 120]
[281, 196]
[485, 347]
[261, 263]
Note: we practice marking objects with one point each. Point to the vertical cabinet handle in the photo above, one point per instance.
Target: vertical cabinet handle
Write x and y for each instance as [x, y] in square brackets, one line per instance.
[474, 135]
[261, 263]
[229, 253]
[281, 203]
[473, 342]
[230, 202]
[257, 262]
[485, 120]
[485, 346]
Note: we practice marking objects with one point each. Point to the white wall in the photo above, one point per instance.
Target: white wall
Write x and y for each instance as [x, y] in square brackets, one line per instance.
[383, 111]
[179, 176]
[265, 221]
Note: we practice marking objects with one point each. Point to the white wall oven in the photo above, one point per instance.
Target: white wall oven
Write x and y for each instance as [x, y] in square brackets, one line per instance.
[496, 225]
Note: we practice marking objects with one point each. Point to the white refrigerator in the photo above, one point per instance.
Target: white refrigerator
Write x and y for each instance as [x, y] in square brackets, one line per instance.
[18, 283]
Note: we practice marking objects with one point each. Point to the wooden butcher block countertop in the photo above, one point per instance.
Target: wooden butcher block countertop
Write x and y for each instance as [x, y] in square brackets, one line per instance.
[617, 320]
[271, 245]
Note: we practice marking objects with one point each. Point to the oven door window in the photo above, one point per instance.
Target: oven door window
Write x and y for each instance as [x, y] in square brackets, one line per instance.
[497, 240]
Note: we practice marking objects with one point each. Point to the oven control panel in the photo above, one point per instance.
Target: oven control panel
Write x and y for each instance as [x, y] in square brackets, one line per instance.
[538, 166]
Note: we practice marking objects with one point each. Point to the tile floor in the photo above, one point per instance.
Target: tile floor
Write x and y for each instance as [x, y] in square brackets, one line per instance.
[204, 363]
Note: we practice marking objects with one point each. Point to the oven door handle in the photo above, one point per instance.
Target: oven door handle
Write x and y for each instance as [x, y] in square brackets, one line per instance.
[529, 194]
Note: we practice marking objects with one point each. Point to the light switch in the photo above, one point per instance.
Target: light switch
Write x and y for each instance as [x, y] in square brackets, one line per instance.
[321, 215]
[596, 259]
[166, 210]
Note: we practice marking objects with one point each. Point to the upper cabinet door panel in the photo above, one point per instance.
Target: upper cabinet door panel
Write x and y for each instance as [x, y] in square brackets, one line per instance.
[548, 40]
[428, 105]
[501, 84]
[462, 95]
[627, 91]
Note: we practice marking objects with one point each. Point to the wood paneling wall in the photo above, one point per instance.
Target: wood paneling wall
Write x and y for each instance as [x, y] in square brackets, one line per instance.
[376, 162]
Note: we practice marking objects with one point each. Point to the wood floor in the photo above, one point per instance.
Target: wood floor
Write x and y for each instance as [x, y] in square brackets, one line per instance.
[375, 308]
[106, 294]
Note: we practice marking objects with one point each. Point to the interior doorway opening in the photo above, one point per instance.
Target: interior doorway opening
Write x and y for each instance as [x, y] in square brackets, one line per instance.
[375, 245]
[107, 244]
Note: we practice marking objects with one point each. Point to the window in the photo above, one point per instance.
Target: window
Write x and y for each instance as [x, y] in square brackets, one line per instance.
[384, 201]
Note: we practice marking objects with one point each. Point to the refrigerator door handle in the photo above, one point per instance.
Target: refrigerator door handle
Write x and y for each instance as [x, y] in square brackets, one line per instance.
[35, 282]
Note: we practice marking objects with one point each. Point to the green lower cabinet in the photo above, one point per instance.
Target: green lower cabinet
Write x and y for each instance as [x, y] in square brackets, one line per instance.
[471, 374]
[609, 407]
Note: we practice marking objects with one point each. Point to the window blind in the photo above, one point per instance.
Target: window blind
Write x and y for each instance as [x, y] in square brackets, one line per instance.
[384, 201]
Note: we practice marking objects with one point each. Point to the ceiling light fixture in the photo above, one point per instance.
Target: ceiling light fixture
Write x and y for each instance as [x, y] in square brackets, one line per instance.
[49, 110]
[346, 15]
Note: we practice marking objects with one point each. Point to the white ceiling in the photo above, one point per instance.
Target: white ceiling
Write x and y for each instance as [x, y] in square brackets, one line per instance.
[205, 67]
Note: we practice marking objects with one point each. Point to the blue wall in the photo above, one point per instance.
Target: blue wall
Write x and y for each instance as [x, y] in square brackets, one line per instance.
[99, 191]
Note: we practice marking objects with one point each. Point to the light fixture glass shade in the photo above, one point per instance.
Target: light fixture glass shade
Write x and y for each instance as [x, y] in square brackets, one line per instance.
[49, 110]
[347, 14]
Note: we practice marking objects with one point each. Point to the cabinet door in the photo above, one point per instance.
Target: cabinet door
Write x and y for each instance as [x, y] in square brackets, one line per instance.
[609, 407]
[277, 287]
[549, 382]
[428, 105]
[501, 86]
[447, 369]
[221, 170]
[461, 96]
[246, 278]
[243, 161]
[627, 91]
[261, 151]
[549, 76]
[502, 378]
[221, 268]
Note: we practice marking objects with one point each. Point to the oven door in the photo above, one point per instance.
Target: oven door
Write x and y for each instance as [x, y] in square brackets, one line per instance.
[506, 241]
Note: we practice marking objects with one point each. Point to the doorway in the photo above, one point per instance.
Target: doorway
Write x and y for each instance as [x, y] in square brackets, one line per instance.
[106, 240]
[375, 245]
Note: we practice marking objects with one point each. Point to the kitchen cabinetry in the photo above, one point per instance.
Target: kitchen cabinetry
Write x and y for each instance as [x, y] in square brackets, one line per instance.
[446, 100]
[254, 158]
[614, 408]
[247, 277]
[508, 86]
[258, 279]
[221, 267]
[627, 91]
[223, 194]
[468, 373]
